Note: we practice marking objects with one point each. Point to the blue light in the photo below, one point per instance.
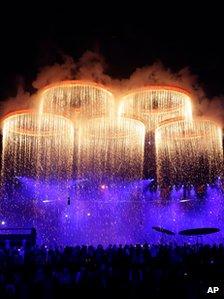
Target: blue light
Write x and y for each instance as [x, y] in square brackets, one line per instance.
[95, 209]
[151, 180]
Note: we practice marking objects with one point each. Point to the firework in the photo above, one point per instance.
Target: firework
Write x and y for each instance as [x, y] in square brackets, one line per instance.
[33, 145]
[188, 152]
[77, 99]
[111, 148]
[79, 131]
[154, 104]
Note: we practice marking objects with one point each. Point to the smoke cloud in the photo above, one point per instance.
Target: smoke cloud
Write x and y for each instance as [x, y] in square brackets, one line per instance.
[55, 73]
[92, 67]
[22, 100]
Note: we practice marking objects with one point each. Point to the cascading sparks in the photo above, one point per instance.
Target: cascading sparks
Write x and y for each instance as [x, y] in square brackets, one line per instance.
[111, 148]
[77, 99]
[188, 152]
[154, 104]
[79, 130]
[37, 145]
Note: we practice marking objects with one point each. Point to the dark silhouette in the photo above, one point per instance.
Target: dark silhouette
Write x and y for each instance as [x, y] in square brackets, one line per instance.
[160, 271]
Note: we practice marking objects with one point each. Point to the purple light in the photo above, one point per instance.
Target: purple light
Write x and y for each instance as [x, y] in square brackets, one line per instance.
[103, 214]
[103, 187]
[47, 201]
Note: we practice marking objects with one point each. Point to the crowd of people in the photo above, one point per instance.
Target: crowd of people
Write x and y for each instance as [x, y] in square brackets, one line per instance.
[129, 271]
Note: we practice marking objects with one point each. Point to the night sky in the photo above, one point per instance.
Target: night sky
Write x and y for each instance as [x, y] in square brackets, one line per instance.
[35, 36]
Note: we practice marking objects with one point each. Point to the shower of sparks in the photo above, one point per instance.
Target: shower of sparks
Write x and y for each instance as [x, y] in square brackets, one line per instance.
[37, 145]
[79, 130]
[73, 167]
[77, 99]
[154, 104]
[111, 148]
[188, 152]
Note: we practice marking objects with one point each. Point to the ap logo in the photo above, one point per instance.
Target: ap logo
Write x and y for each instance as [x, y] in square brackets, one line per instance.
[212, 290]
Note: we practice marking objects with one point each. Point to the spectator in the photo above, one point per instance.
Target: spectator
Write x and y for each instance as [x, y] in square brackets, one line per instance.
[38, 272]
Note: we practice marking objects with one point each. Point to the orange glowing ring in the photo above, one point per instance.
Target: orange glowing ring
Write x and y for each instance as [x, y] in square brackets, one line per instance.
[115, 135]
[30, 132]
[14, 112]
[188, 135]
[155, 87]
[68, 83]
[171, 120]
[158, 111]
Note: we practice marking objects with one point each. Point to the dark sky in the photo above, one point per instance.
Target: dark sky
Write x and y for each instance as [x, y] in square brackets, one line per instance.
[34, 36]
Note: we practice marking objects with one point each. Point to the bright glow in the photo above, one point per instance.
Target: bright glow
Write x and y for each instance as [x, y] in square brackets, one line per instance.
[3, 222]
[79, 131]
[111, 148]
[103, 187]
[155, 104]
[47, 201]
[77, 99]
[37, 145]
[187, 150]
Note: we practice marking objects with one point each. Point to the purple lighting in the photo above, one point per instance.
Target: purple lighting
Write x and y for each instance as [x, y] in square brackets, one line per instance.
[103, 187]
[124, 214]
